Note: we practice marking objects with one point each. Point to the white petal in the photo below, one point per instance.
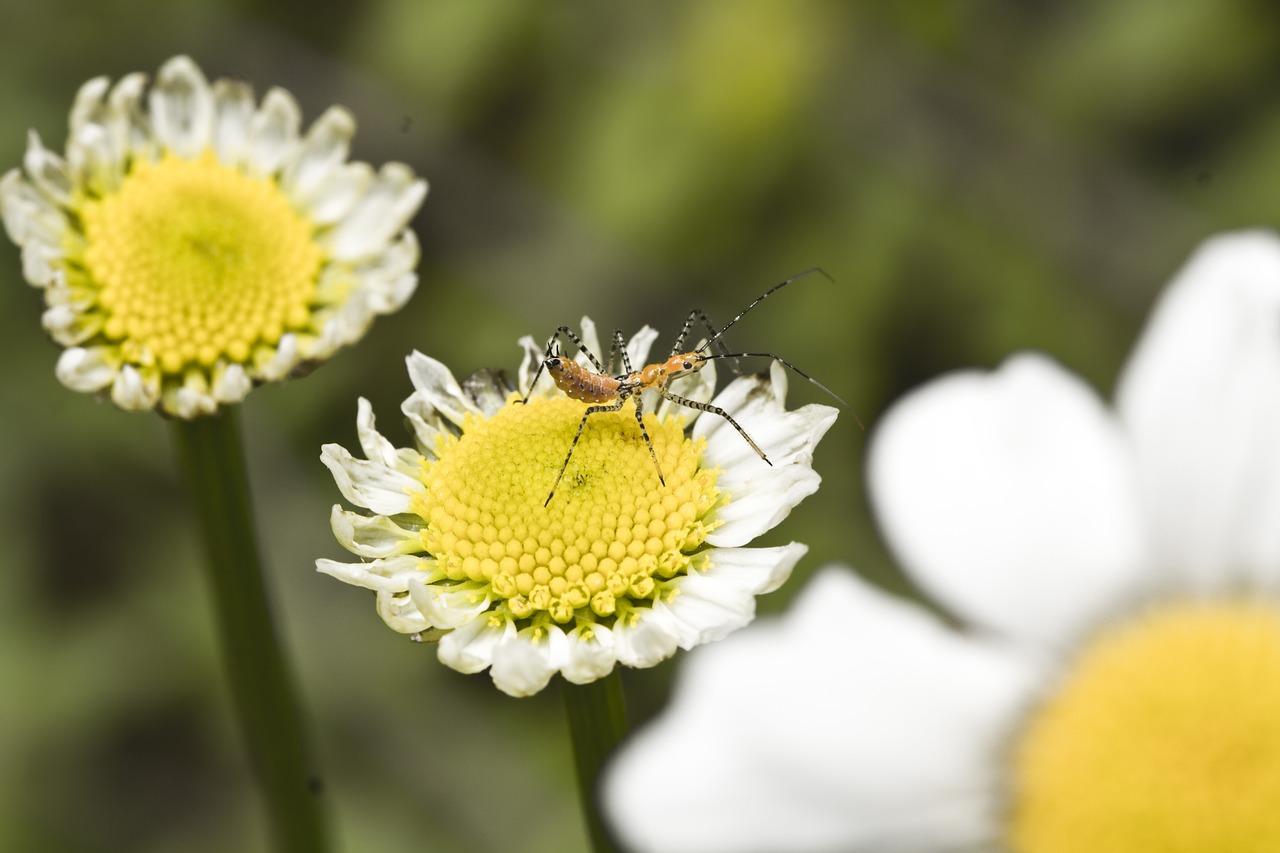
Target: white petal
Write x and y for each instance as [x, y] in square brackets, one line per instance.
[89, 107]
[1009, 496]
[756, 570]
[400, 612]
[182, 108]
[589, 654]
[762, 503]
[340, 192]
[525, 662]
[323, 149]
[389, 575]
[707, 608]
[132, 391]
[450, 606]
[372, 536]
[381, 213]
[590, 340]
[378, 449]
[285, 359]
[231, 383]
[369, 484]
[129, 126]
[435, 384]
[638, 347]
[232, 110]
[90, 369]
[714, 603]
[69, 326]
[28, 214]
[856, 723]
[646, 637]
[1201, 398]
[273, 133]
[93, 160]
[47, 171]
[470, 648]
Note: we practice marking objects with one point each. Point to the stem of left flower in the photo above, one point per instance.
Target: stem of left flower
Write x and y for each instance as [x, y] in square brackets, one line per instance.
[212, 456]
[597, 721]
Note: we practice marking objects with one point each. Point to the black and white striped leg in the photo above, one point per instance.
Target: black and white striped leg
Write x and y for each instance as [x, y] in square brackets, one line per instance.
[715, 410]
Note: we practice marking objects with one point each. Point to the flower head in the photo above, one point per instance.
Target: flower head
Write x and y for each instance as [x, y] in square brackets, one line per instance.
[462, 544]
[1117, 573]
[193, 243]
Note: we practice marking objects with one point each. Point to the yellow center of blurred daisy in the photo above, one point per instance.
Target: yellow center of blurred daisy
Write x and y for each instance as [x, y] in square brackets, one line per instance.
[1165, 736]
[197, 262]
[612, 532]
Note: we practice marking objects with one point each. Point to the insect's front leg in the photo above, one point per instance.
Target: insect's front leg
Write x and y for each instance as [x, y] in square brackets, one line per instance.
[591, 410]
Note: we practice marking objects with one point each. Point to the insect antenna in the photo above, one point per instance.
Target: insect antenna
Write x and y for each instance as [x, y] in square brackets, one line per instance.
[761, 298]
[786, 364]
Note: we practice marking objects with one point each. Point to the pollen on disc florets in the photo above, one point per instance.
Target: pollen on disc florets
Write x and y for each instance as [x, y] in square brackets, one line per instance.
[196, 261]
[611, 533]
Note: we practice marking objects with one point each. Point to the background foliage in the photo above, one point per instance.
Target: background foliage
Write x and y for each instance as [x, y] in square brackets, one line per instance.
[978, 178]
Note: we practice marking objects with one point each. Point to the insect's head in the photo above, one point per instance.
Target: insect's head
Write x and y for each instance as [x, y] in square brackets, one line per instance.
[682, 364]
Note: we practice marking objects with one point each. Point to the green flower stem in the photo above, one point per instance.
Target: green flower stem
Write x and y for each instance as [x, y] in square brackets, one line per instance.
[597, 721]
[213, 459]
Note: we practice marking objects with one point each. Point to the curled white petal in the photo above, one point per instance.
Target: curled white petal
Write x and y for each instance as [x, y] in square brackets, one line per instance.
[389, 575]
[87, 369]
[135, 390]
[378, 449]
[451, 606]
[589, 654]
[369, 484]
[435, 384]
[524, 663]
[646, 637]
[470, 648]
[372, 536]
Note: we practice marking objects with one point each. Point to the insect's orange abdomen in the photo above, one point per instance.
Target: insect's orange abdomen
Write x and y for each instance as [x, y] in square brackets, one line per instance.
[579, 383]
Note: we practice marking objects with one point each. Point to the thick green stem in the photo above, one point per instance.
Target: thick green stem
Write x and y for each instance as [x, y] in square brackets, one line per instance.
[597, 721]
[212, 456]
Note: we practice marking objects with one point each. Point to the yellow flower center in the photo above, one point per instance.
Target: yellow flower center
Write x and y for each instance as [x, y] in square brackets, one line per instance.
[196, 261]
[611, 533]
[1165, 736]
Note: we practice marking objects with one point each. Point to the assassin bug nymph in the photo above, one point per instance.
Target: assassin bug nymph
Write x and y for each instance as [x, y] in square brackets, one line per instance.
[608, 393]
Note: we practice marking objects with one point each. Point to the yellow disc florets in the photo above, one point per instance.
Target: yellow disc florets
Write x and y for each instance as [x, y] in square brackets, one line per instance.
[611, 533]
[1164, 736]
[197, 261]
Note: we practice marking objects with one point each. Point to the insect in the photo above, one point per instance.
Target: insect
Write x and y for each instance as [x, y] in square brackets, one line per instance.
[608, 393]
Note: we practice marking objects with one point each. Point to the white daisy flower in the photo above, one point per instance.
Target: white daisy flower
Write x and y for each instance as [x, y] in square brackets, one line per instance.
[1114, 684]
[461, 543]
[192, 243]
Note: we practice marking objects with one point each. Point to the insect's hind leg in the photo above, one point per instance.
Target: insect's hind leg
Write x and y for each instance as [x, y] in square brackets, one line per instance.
[653, 454]
[715, 410]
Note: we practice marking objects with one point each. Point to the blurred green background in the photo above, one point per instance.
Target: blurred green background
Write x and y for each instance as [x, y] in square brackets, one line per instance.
[978, 178]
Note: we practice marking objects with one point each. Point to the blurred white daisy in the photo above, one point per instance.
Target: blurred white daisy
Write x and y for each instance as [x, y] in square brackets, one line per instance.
[463, 546]
[1115, 682]
[193, 243]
